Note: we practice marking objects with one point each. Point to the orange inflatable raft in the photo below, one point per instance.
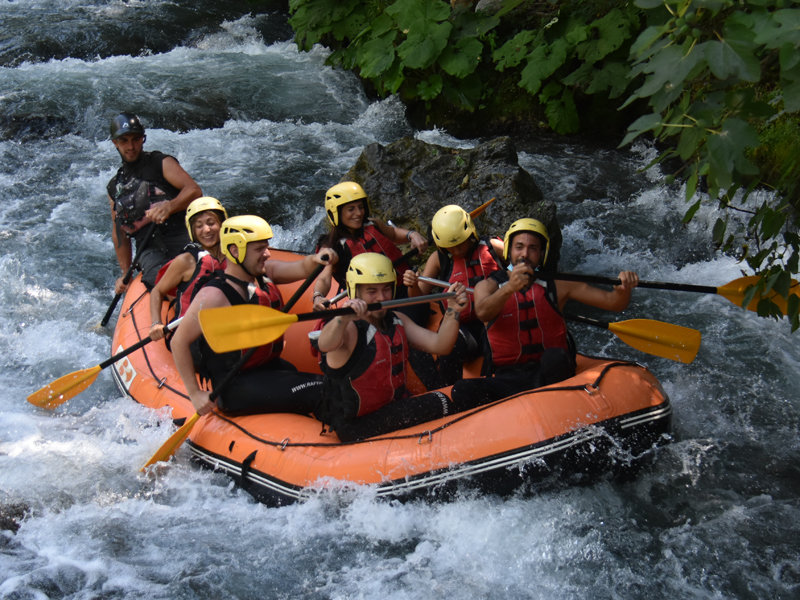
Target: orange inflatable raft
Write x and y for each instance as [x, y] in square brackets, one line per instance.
[605, 419]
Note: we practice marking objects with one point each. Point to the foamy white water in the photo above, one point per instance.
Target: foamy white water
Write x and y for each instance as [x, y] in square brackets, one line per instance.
[267, 129]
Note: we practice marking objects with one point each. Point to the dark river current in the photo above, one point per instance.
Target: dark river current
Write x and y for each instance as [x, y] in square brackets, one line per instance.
[266, 129]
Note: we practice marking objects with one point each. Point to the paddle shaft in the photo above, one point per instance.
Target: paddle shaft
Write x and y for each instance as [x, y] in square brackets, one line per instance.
[659, 285]
[440, 283]
[249, 354]
[129, 274]
[587, 321]
[137, 345]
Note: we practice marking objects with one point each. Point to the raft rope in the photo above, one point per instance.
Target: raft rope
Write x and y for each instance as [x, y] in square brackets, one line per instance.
[285, 443]
[282, 445]
[144, 350]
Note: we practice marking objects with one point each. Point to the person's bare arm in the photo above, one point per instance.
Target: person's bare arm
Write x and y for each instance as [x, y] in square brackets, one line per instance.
[181, 180]
[189, 331]
[339, 336]
[490, 298]
[180, 269]
[123, 249]
[400, 235]
[442, 341]
[615, 300]
[287, 272]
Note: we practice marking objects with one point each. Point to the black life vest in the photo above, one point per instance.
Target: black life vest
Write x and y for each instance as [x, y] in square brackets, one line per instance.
[482, 262]
[136, 187]
[373, 376]
[529, 324]
[264, 294]
[205, 266]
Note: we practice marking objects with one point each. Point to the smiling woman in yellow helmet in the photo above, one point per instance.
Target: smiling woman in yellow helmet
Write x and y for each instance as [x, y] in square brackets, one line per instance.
[461, 257]
[354, 232]
[528, 338]
[180, 276]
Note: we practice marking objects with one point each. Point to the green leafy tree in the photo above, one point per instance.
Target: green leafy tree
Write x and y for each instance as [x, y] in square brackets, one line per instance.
[715, 82]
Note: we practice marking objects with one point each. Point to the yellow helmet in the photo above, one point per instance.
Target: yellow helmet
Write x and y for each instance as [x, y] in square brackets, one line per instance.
[451, 226]
[240, 231]
[370, 267]
[531, 226]
[341, 194]
[201, 205]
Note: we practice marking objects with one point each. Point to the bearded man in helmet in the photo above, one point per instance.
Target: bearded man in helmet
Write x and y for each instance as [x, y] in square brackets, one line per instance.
[365, 354]
[464, 257]
[266, 383]
[528, 338]
[149, 187]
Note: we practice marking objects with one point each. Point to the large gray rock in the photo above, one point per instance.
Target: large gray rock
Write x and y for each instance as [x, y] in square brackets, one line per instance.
[409, 180]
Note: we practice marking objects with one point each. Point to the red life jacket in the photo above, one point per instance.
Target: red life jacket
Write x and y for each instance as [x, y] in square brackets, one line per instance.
[481, 263]
[372, 240]
[270, 296]
[375, 374]
[529, 324]
[205, 265]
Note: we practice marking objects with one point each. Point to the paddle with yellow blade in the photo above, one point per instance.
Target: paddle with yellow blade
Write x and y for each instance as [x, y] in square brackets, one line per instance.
[235, 327]
[737, 291]
[174, 442]
[651, 337]
[69, 386]
[411, 253]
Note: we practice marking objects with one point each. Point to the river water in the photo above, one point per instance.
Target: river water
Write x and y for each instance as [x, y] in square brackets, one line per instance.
[267, 129]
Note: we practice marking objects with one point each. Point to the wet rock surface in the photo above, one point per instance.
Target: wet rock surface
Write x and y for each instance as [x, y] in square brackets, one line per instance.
[409, 180]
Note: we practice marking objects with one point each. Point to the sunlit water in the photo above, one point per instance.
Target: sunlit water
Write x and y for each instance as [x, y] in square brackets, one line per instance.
[267, 129]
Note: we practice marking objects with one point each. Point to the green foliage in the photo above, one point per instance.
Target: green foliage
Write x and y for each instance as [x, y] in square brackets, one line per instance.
[698, 61]
[714, 81]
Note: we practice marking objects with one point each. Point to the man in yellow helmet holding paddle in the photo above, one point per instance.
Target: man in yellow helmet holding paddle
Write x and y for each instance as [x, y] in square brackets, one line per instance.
[528, 338]
[266, 383]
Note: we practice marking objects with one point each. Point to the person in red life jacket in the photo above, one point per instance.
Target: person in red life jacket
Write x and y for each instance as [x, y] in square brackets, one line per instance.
[180, 277]
[267, 383]
[461, 257]
[528, 338]
[364, 357]
[354, 232]
[149, 187]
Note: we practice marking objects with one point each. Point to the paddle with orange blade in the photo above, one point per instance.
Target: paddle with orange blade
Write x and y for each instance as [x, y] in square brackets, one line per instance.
[646, 335]
[737, 291]
[69, 386]
[170, 447]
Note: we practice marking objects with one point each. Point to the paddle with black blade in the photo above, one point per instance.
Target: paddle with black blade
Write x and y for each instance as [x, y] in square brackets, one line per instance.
[411, 253]
[651, 337]
[737, 291]
[174, 442]
[69, 386]
[235, 327]
[129, 274]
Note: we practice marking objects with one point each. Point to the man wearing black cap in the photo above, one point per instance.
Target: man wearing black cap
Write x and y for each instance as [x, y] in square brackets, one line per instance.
[149, 187]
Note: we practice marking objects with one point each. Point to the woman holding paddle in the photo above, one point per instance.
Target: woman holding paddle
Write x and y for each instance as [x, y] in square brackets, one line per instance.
[461, 257]
[354, 232]
[180, 276]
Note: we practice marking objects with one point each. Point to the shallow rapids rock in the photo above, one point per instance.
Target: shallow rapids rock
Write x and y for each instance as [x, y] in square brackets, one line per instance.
[409, 180]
